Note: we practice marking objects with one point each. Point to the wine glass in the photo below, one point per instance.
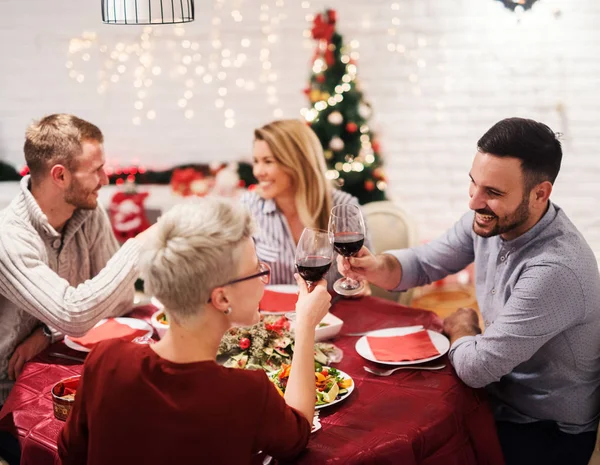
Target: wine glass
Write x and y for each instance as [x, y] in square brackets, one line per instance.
[347, 225]
[314, 254]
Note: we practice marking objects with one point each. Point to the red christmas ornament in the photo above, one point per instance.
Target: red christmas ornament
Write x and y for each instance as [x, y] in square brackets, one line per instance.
[379, 174]
[127, 214]
[244, 343]
[25, 171]
[252, 187]
[376, 146]
[321, 78]
[351, 127]
[369, 185]
[306, 90]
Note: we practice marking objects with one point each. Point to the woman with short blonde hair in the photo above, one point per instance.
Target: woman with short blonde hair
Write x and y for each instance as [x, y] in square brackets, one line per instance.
[170, 402]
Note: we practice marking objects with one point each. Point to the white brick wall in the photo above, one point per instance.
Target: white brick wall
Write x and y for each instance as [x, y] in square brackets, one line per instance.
[466, 65]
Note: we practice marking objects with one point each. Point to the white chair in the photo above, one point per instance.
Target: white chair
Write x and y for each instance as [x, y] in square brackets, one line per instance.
[390, 228]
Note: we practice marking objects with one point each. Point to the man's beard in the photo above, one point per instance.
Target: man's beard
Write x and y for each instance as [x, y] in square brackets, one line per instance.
[506, 224]
[79, 197]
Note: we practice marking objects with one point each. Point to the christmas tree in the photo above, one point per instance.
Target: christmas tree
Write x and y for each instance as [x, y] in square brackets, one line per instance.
[339, 115]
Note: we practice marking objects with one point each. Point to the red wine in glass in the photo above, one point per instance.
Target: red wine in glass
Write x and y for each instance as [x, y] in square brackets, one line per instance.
[347, 225]
[314, 254]
[348, 244]
[313, 268]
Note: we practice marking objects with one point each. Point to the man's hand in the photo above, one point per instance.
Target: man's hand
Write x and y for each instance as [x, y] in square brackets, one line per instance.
[463, 322]
[25, 351]
[358, 267]
[382, 270]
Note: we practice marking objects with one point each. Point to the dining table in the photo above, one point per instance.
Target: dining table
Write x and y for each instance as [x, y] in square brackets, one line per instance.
[411, 417]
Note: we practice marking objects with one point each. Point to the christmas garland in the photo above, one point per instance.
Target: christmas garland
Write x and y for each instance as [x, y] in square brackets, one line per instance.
[139, 175]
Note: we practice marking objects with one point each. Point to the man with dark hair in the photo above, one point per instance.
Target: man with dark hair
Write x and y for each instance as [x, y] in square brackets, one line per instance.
[538, 288]
[60, 264]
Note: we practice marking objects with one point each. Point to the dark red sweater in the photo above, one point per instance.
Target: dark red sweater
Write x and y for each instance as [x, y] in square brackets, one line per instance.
[134, 407]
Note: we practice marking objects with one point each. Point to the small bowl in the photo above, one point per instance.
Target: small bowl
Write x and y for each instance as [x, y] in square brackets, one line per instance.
[160, 327]
[329, 327]
[62, 401]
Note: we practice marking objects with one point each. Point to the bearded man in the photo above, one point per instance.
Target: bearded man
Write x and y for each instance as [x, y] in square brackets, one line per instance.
[538, 289]
[60, 265]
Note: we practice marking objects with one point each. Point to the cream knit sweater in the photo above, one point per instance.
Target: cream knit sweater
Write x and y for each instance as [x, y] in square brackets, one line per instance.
[68, 281]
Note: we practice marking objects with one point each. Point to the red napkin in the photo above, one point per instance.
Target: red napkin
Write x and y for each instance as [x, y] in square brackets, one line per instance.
[278, 301]
[414, 346]
[111, 329]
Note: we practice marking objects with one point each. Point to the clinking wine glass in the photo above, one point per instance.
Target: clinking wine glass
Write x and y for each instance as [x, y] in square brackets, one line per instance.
[347, 226]
[314, 254]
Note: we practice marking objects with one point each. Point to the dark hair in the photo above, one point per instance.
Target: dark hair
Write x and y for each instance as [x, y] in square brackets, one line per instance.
[535, 144]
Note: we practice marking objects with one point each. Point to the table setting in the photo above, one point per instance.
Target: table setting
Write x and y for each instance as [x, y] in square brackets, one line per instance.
[421, 414]
[384, 390]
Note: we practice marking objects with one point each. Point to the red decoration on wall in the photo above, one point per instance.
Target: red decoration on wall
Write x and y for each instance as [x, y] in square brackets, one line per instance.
[351, 127]
[182, 180]
[128, 215]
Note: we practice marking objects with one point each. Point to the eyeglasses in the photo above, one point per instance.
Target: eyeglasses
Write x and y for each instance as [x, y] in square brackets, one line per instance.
[264, 274]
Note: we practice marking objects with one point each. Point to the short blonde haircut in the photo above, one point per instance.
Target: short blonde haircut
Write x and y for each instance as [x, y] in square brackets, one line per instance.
[297, 149]
[56, 139]
[196, 247]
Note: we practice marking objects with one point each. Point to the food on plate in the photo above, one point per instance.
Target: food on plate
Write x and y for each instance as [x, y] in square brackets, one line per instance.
[162, 318]
[266, 345]
[330, 385]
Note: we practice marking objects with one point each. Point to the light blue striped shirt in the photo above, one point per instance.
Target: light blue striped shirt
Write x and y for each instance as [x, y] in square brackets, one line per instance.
[274, 242]
[539, 295]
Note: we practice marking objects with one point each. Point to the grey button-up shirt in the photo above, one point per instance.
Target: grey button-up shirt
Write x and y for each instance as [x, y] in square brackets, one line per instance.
[539, 295]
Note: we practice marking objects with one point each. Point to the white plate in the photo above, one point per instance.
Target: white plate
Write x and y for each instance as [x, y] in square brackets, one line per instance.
[131, 322]
[441, 343]
[140, 299]
[342, 374]
[284, 289]
[350, 390]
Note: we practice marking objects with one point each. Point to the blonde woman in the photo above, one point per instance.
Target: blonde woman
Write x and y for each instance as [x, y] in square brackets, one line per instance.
[170, 402]
[293, 193]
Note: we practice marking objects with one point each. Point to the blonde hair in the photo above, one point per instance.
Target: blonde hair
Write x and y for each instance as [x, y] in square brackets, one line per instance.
[56, 139]
[196, 247]
[297, 149]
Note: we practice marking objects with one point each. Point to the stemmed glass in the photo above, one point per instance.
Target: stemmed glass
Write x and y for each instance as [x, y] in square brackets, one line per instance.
[347, 226]
[314, 254]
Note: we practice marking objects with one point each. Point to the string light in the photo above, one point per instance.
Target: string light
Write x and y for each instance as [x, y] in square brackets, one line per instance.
[140, 62]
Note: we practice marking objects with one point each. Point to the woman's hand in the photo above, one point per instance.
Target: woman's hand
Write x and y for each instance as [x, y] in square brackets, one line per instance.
[312, 305]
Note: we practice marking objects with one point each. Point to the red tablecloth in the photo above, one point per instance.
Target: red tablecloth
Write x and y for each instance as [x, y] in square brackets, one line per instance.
[411, 417]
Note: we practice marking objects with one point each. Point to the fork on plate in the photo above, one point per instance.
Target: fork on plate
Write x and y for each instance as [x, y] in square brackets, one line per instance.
[381, 372]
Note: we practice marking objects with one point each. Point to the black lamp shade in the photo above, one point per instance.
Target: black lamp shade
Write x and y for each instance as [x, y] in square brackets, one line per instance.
[512, 4]
[147, 11]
